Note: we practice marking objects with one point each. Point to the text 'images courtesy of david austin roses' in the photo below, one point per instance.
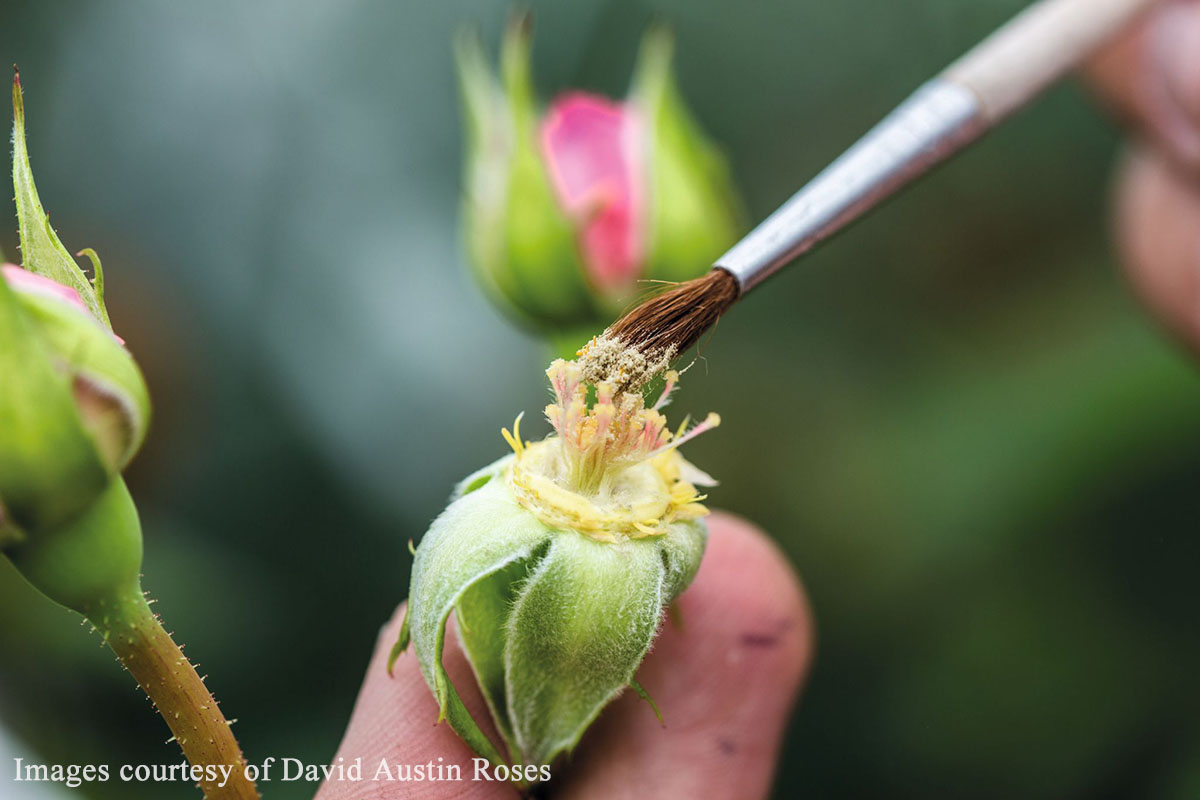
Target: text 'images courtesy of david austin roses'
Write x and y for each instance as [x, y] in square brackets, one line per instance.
[283, 770]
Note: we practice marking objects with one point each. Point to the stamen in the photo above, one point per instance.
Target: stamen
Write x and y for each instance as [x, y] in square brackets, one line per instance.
[711, 421]
[672, 380]
[514, 438]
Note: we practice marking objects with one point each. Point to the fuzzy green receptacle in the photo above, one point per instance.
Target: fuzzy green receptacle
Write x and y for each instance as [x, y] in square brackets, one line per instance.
[559, 562]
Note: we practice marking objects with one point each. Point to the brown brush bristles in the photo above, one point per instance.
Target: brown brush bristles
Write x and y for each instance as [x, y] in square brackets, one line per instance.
[676, 319]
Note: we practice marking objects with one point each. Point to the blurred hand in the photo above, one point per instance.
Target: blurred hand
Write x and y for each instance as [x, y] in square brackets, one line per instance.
[725, 681]
[1151, 78]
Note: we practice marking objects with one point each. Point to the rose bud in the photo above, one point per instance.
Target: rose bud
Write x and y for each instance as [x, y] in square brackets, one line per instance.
[73, 411]
[559, 561]
[566, 211]
[73, 404]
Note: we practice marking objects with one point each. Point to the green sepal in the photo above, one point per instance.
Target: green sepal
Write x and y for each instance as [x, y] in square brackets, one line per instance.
[521, 243]
[41, 251]
[475, 480]
[578, 631]
[481, 615]
[479, 534]
[89, 560]
[50, 468]
[695, 212]
[516, 72]
[97, 271]
[682, 548]
[401, 644]
[642, 693]
[461, 721]
[480, 477]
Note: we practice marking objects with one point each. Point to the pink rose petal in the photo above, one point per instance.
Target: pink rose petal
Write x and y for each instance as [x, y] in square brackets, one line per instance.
[25, 281]
[590, 145]
[22, 280]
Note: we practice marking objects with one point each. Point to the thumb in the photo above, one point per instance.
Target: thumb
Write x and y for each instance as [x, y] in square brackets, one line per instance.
[395, 723]
[1151, 77]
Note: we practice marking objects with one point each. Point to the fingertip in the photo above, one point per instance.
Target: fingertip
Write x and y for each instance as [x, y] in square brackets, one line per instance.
[1176, 48]
[395, 721]
[748, 570]
[1158, 217]
[1149, 78]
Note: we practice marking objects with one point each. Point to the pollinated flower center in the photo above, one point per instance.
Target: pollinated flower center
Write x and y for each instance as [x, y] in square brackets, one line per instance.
[612, 467]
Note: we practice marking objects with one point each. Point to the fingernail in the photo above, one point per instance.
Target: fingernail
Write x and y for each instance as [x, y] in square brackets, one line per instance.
[1176, 48]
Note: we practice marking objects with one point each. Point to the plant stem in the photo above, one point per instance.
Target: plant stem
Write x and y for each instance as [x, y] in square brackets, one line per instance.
[135, 634]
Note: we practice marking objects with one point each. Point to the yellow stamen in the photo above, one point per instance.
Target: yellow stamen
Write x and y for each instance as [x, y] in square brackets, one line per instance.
[514, 438]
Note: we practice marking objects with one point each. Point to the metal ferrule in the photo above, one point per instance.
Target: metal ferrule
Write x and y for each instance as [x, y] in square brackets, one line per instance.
[933, 124]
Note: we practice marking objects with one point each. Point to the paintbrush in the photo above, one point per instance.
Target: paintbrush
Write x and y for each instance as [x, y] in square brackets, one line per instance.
[1006, 71]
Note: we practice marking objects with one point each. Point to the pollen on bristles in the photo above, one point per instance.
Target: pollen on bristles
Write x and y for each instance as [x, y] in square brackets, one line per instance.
[607, 359]
[666, 324]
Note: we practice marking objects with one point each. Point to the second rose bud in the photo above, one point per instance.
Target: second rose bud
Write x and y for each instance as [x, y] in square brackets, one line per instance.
[566, 209]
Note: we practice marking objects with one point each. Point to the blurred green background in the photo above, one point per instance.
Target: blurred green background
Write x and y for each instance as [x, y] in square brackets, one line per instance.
[979, 453]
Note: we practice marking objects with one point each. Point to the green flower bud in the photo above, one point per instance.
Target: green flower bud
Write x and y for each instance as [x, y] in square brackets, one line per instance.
[73, 404]
[559, 562]
[73, 412]
[566, 211]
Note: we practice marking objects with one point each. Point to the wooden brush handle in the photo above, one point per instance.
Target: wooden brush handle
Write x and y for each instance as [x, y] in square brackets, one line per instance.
[1036, 48]
[945, 115]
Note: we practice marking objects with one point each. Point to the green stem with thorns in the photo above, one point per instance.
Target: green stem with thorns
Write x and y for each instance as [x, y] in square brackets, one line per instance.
[92, 565]
[141, 644]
